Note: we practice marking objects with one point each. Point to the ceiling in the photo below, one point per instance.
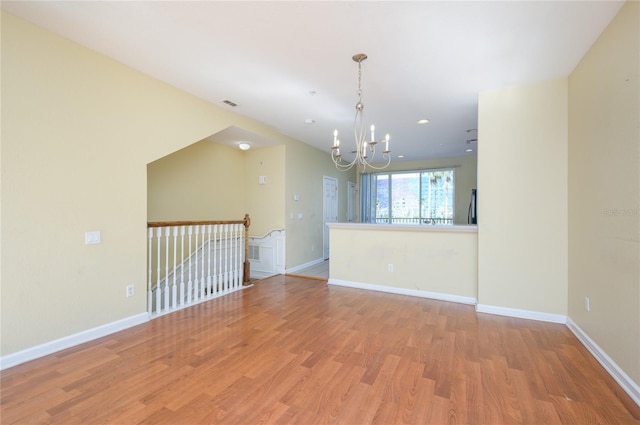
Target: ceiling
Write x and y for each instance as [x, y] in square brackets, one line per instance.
[286, 62]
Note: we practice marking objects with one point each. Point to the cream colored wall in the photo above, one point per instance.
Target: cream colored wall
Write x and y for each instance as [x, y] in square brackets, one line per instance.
[466, 172]
[604, 191]
[265, 202]
[522, 198]
[423, 259]
[78, 130]
[204, 181]
[305, 168]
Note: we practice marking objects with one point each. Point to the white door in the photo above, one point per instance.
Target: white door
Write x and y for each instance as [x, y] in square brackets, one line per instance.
[351, 202]
[330, 208]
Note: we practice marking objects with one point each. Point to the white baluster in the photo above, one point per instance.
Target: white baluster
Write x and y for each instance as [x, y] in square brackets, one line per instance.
[196, 289]
[167, 232]
[149, 282]
[230, 259]
[174, 288]
[189, 282]
[226, 257]
[203, 245]
[158, 288]
[209, 291]
[240, 254]
[182, 295]
[235, 255]
[216, 289]
[220, 263]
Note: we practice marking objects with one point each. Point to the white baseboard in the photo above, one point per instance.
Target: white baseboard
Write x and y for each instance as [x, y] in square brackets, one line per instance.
[627, 384]
[403, 291]
[305, 265]
[521, 314]
[261, 275]
[51, 347]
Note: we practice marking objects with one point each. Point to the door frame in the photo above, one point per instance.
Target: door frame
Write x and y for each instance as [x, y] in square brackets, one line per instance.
[325, 218]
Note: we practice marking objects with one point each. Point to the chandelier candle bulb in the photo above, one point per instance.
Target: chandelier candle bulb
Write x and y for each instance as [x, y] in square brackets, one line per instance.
[373, 128]
[386, 144]
[335, 138]
[364, 150]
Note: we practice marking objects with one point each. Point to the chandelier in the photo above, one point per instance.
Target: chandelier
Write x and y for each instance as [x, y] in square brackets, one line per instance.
[365, 151]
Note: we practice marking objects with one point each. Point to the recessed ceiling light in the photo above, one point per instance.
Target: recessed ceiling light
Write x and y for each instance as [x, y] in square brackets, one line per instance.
[244, 146]
[309, 121]
[423, 121]
[400, 156]
[468, 150]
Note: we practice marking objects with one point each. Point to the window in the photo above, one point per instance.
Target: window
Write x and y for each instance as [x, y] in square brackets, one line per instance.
[408, 197]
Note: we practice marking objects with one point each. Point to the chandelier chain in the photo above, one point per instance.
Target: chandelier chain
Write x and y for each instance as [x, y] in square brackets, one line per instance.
[360, 81]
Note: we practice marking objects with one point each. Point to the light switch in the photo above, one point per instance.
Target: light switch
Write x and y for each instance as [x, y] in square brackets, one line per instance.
[92, 238]
[262, 180]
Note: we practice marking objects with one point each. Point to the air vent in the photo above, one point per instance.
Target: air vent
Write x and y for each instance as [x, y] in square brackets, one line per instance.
[254, 252]
[230, 103]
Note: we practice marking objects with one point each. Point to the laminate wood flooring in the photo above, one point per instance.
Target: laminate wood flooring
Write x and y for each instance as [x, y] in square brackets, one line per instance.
[291, 350]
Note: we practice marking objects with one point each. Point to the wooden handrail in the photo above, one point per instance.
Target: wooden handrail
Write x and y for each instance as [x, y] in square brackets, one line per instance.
[246, 221]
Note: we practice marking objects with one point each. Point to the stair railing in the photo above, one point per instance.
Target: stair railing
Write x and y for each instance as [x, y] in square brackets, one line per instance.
[193, 261]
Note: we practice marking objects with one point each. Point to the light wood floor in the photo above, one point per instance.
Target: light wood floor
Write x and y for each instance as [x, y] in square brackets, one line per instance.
[319, 271]
[296, 351]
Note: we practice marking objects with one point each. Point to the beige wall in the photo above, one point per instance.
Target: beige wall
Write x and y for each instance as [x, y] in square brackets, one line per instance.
[204, 181]
[78, 130]
[265, 202]
[466, 172]
[604, 191]
[424, 259]
[522, 198]
[306, 167]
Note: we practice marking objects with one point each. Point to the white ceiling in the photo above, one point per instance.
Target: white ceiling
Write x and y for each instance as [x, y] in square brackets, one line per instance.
[426, 59]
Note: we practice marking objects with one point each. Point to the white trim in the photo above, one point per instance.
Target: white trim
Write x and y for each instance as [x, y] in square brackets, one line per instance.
[266, 235]
[627, 384]
[455, 228]
[522, 314]
[403, 291]
[305, 265]
[47, 348]
[257, 275]
[201, 300]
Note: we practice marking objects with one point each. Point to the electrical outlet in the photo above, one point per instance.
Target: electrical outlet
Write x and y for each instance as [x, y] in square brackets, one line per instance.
[390, 267]
[587, 304]
[131, 291]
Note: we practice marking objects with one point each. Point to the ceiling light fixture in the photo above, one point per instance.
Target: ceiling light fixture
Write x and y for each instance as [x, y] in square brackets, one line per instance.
[365, 150]
[244, 146]
[423, 121]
